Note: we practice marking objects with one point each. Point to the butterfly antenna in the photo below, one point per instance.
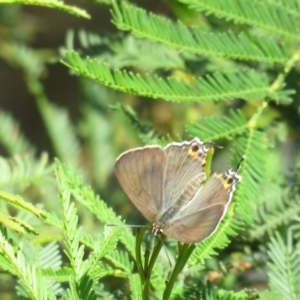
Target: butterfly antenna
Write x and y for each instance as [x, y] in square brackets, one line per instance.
[240, 163]
[213, 144]
[127, 225]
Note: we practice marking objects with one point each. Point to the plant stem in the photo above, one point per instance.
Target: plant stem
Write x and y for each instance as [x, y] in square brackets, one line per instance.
[275, 86]
[148, 270]
[183, 256]
[138, 247]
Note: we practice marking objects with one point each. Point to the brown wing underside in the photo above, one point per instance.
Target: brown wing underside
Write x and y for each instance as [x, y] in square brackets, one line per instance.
[140, 174]
[201, 216]
[184, 171]
[195, 227]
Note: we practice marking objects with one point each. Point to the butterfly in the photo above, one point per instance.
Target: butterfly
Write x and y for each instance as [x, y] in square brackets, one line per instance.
[166, 186]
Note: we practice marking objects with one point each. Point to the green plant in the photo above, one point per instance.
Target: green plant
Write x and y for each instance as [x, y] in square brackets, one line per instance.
[251, 108]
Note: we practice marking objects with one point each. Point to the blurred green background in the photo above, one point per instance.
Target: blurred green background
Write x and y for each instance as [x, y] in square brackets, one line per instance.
[108, 122]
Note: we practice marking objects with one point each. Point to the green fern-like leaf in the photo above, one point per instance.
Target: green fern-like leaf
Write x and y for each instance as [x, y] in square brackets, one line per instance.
[146, 131]
[16, 224]
[219, 240]
[214, 87]
[72, 235]
[24, 57]
[59, 125]
[7, 252]
[22, 170]
[125, 51]
[50, 256]
[159, 271]
[255, 148]
[85, 288]
[103, 294]
[21, 203]
[198, 290]
[179, 36]
[213, 128]
[56, 119]
[284, 271]
[102, 152]
[10, 136]
[97, 206]
[102, 247]
[121, 260]
[32, 282]
[135, 286]
[59, 5]
[60, 275]
[35, 255]
[276, 208]
[290, 7]
[255, 13]
[102, 270]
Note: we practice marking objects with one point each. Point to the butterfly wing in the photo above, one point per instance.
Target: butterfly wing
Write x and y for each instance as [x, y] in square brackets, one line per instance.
[184, 171]
[195, 227]
[140, 174]
[201, 216]
[218, 189]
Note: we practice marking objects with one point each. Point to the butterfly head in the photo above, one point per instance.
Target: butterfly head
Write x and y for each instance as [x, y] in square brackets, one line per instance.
[156, 229]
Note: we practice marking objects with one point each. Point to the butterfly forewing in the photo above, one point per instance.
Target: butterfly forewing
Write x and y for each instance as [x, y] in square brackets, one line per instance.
[140, 173]
[183, 171]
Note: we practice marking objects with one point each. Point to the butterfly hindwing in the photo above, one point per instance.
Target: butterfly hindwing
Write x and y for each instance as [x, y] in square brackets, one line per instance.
[218, 189]
[201, 216]
[196, 226]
